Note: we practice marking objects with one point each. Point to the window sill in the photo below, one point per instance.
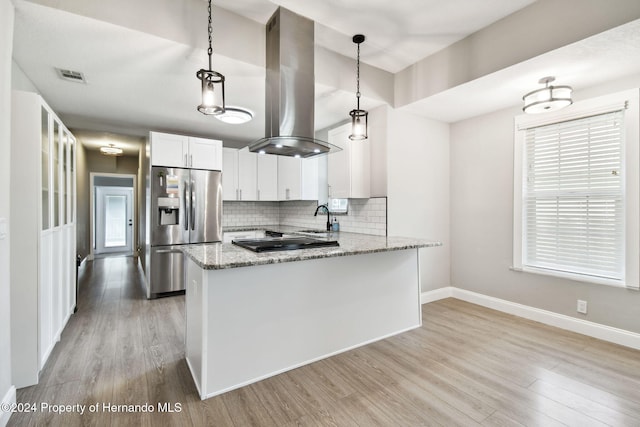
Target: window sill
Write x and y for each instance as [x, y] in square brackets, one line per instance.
[576, 277]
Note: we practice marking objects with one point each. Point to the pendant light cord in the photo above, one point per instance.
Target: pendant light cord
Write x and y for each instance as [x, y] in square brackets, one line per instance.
[210, 29]
[358, 79]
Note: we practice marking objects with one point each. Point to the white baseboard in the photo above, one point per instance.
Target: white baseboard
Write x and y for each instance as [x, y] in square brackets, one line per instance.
[592, 329]
[436, 294]
[8, 399]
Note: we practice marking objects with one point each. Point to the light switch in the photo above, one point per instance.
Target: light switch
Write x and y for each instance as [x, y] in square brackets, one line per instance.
[3, 228]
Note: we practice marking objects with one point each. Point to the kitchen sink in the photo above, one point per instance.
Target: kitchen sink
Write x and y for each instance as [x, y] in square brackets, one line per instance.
[268, 244]
[319, 233]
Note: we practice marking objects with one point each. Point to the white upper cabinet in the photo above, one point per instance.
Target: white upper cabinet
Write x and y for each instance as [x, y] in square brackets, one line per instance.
[263, 177]
[247, 175]
[348, 170]
[289, 178]
[169, 150]
[229, 174]
[297, 178]
[239, 174]
[267, 177]
[205, 154]
[185, 152]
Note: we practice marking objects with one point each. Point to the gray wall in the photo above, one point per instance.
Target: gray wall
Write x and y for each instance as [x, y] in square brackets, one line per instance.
[83, 232]
[481, 225]
[6, 42]
[97, 163]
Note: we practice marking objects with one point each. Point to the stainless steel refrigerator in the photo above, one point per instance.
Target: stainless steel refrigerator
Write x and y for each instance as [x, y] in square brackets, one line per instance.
[185, 208]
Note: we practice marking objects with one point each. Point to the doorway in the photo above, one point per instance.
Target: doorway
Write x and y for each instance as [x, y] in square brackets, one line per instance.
[113, 214]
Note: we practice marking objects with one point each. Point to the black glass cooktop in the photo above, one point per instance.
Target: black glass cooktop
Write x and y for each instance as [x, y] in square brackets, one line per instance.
[283, 243]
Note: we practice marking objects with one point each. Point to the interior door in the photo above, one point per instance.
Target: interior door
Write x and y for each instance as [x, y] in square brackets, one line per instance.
[114, 220]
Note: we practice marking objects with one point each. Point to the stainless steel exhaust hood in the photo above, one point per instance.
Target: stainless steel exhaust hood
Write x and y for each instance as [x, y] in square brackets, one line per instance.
[289, 98]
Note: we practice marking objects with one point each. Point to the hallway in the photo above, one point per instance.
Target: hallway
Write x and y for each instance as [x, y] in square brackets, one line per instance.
[118, 348]
[467, 365]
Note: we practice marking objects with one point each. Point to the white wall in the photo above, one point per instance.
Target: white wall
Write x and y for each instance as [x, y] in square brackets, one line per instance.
[20, 81]
[509, 41]
[418, 189]
[6, 44]
[481, 225]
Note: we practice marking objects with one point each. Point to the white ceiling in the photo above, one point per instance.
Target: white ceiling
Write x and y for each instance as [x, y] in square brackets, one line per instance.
[399, 33]
[138, 82]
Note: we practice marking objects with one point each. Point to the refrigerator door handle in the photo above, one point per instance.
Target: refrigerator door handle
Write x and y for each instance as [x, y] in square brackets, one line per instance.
[193, 205]
[186, 208]
[169, 251]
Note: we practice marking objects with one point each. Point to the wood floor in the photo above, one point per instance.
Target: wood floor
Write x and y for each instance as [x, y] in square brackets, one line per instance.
[466, 366]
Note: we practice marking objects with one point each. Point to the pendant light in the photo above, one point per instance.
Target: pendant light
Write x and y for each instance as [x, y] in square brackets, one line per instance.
[358, 116]
[212, 83]
[549, 98]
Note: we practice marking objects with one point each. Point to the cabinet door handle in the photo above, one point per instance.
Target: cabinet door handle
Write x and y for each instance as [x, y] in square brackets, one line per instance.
[241, 194]
[237, 194]
[185, 160]
[287, 194]
[191, 160]
[258, 194]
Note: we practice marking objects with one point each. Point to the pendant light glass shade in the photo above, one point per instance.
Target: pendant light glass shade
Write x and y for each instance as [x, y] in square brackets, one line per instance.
[212, 83]
[549, 98]
[212, 96]
[358, 125]
[359, 117]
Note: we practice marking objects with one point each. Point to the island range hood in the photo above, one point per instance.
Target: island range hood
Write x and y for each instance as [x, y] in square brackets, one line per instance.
[289, 97]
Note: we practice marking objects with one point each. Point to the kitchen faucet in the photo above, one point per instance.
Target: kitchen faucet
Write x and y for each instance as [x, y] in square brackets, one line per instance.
[326, 208]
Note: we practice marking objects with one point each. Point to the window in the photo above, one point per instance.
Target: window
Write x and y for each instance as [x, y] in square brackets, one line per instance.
[576, 192]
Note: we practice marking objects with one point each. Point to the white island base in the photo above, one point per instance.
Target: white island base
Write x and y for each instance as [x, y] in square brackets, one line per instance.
[246, 324]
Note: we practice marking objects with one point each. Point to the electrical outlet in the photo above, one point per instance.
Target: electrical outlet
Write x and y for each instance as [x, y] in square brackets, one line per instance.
[582, 306]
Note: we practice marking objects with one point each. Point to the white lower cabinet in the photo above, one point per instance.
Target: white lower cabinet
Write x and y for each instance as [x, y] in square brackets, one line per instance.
[43, 223]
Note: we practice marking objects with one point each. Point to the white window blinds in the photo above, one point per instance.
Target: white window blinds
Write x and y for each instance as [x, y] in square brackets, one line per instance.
[573, 196]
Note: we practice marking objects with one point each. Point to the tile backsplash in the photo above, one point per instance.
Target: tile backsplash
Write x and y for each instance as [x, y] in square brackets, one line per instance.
[239, 214]
[368, 216]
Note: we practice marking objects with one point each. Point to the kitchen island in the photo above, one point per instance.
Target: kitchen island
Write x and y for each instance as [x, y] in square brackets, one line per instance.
[253, 315]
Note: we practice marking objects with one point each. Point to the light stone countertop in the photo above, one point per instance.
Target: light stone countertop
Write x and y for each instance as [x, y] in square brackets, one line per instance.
[217, 256]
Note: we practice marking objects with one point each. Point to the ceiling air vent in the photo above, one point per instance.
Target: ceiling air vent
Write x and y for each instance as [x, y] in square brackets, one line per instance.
[70, 75]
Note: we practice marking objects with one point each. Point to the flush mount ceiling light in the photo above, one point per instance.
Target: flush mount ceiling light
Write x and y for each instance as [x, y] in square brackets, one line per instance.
[549, 98]
[111, 150]
[235, 115]
[358, 116]
[212, 83]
